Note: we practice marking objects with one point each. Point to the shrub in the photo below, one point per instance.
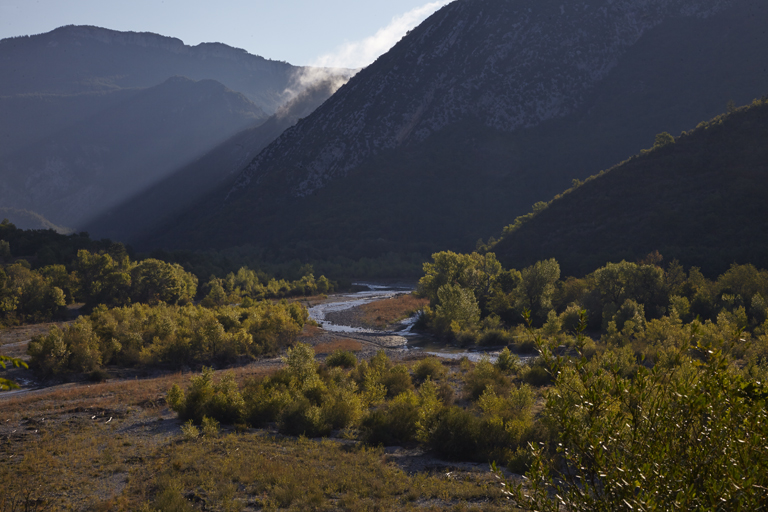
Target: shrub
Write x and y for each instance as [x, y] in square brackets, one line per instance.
[485, 375]
[343, 408]
[342, 359]
[210, 427]
[536, 374]
[395, 423]
[301, 418]
[507, 361]
[204, 397]
[456, 434]
[430, 367]
[265, 401]
[495, 338]
[397, 380]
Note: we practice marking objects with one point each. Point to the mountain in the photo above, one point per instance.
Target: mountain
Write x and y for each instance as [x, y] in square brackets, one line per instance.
[89, 117]
[121, 148]
[141, 213]
[699, 198]
[485, 108]
[24, 219]
[77, 59]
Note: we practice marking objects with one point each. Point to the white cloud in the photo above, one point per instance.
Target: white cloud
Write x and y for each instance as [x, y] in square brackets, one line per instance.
[358, 54]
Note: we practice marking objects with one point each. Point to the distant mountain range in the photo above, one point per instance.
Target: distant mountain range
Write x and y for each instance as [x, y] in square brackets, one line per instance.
[90, 117]
[485, 108]
[699, 199]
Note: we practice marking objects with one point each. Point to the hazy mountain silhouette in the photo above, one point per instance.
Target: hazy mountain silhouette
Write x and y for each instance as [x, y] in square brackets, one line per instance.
[76, 59]
[92, 116]
[95, 162]
[141, 213]
[25, 219]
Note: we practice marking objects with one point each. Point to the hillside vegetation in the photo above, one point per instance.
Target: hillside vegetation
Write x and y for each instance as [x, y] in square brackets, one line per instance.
[699, 198]
[462, 126]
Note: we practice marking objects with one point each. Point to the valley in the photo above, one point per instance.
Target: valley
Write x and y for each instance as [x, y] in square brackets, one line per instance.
[518, 261]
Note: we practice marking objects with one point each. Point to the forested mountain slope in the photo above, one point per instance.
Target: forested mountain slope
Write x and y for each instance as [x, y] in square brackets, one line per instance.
[699, 198]
[484, 109]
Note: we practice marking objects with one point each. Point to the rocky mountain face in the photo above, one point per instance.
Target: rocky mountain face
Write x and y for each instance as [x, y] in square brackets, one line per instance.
[508, 64]
[90, 117]
[484, 109]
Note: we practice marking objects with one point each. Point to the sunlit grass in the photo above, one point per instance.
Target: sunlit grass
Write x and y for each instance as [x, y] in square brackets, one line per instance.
[383, 313]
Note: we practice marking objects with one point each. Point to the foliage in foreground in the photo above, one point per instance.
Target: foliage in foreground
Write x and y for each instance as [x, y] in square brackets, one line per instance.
[377, 400]
[164, 334]
[7, 384]
[689, 434]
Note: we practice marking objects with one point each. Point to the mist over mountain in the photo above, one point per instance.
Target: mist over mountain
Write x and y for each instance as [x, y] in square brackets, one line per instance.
[484, 109]
[140, 214]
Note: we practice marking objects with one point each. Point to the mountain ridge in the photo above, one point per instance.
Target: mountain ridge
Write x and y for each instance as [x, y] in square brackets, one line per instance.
[433, 194]
[697, 198]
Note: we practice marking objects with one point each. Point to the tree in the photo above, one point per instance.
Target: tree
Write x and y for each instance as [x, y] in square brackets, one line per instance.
[663, 139]
[5, 250]
[457, 308]
[537, 286]
[154, 281]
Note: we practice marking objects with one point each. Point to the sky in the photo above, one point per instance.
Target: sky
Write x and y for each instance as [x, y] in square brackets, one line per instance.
[334, 33]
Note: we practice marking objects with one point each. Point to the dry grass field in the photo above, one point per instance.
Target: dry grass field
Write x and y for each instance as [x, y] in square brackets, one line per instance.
[117, 446]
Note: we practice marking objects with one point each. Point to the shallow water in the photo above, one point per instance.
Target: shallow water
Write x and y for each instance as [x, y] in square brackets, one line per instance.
[415, 341]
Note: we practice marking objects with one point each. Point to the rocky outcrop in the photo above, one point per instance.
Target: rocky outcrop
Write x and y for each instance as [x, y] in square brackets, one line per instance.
[509, 64]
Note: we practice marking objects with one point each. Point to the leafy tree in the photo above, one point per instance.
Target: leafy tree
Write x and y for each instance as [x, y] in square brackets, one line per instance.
[154, 281]
[537, 287]
[5, 250]
[457, 309]
[101, 279]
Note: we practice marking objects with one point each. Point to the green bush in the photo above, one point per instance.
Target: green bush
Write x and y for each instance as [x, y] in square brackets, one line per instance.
[302, 418]
[456, 434]
[688, 436]
[395, 423]
[536, 374]
[397, 380]
[482, 376]
[507, 361]
[265, 401]
[220, 400]
[343, 407]
[165, 335]
[430, 367]
[341, 359]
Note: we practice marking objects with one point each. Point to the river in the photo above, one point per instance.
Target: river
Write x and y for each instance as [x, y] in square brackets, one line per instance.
[408, 340]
